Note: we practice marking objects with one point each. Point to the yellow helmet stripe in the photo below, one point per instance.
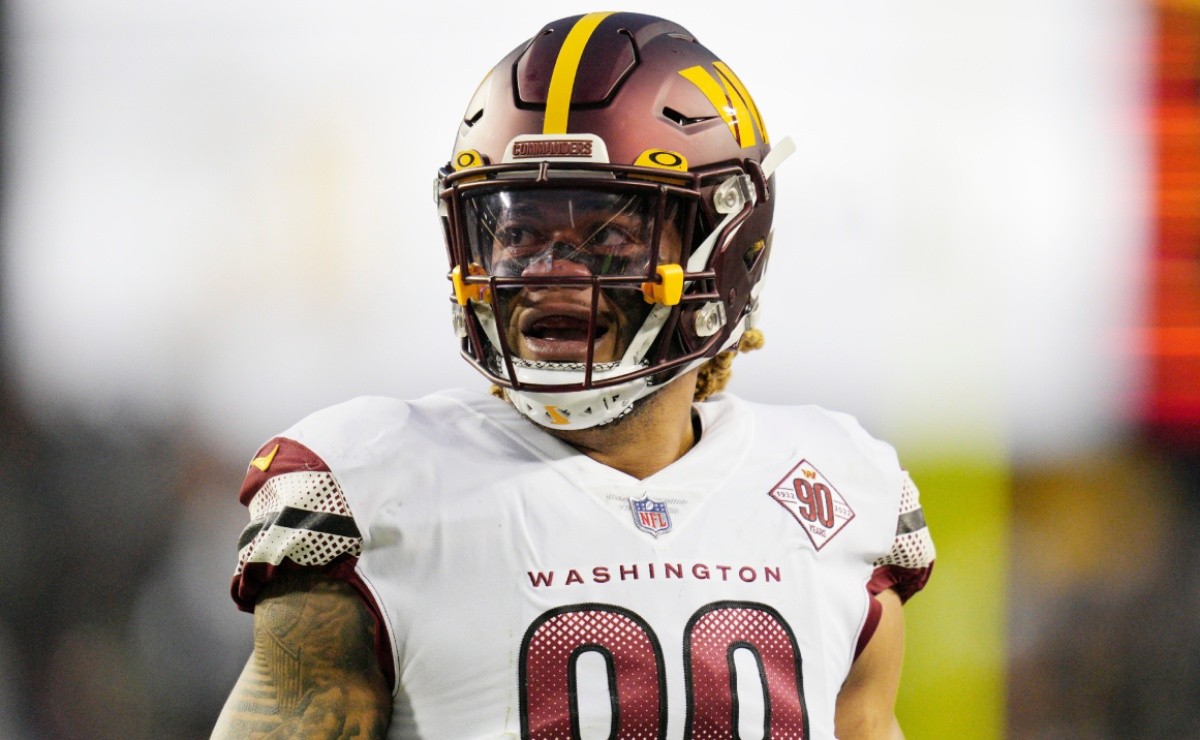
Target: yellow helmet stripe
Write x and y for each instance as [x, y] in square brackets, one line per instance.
[741, 116]
[733, 80]
[727, 102]
[562, 80]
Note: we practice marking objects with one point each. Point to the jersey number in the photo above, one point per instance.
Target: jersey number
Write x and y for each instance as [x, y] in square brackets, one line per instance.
[636, 675]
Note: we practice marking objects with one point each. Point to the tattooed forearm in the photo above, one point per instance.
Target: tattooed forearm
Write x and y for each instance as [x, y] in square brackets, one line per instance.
[313, 672]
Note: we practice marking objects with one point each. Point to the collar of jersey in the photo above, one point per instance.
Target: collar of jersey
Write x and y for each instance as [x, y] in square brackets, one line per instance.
[726, 439]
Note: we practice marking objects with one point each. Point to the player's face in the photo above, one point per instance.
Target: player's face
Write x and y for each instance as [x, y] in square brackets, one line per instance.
[573, 234]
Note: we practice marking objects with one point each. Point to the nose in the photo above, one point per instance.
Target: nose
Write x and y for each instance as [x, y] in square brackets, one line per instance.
[560, 258]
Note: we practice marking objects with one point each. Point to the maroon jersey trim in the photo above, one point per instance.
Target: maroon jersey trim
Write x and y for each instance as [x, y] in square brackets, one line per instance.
[904, 581]
[279, 455]
[874, 614]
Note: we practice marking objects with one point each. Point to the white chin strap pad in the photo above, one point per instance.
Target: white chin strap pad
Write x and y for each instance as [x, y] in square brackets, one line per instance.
[581, 409]
[587, 409]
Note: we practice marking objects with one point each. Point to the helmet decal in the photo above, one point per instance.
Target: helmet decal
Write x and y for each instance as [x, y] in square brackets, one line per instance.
[731, 100]
[562, 81]
[741, 90]
[663, 159]
[556, 147]
[466, 159]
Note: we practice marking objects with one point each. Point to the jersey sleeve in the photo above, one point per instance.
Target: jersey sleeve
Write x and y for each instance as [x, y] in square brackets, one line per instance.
[299, 518]
[906, 568]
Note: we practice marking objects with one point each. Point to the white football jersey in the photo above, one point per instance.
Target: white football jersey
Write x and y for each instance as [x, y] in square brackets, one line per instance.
[528, 591]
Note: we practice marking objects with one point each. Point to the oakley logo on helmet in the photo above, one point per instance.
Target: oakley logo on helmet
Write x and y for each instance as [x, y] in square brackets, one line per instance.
[467, 159]
[662, 159]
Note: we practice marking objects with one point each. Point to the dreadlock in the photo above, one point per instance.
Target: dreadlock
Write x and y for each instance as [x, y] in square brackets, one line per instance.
[715, 374]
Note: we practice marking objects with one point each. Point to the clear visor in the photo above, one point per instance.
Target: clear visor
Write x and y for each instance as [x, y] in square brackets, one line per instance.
[567, 268]
[542, 233]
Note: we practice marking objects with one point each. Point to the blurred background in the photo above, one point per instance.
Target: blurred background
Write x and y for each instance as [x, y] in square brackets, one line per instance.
[217, 218]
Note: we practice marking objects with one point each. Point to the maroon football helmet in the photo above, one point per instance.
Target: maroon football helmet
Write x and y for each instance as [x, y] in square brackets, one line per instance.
[607, 214]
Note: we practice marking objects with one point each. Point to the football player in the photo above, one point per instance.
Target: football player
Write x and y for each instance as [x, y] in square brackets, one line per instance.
[593, 549]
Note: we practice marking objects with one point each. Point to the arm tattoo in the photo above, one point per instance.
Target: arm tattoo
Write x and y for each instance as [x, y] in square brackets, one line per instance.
[313, 672]
[283, 664]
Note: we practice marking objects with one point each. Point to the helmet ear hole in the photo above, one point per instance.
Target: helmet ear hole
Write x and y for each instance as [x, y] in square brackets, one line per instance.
[752, 255]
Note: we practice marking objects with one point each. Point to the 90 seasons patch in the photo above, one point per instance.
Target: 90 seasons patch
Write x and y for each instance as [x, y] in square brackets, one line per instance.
[814, 502]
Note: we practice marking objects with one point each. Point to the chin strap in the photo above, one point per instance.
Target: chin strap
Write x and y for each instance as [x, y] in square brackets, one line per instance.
[781, 151]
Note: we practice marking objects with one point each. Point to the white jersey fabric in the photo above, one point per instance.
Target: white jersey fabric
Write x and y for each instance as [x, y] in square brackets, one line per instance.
[526, 590]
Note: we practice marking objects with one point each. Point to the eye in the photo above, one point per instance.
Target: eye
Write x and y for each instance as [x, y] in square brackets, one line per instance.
[611, 237]
[516, 236]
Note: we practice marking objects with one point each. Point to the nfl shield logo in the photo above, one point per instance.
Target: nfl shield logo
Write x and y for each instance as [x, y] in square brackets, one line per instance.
[650, 515]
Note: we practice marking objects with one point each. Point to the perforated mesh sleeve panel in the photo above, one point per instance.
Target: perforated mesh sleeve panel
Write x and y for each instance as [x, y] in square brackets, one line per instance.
[907, 566]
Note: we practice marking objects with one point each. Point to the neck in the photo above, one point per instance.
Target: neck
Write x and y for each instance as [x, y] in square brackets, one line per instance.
[655, 434]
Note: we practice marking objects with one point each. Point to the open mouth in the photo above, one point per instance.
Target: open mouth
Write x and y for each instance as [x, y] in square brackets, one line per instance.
[561, 329]
[559, 335]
